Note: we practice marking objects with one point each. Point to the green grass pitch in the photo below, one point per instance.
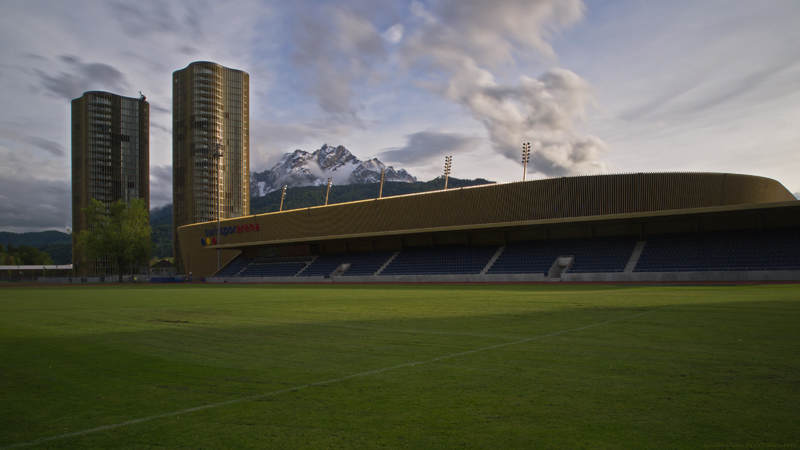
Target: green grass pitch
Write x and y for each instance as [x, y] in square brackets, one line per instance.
[400, 366]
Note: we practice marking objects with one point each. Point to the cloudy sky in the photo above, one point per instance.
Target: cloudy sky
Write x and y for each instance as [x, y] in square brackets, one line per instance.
[596, 86]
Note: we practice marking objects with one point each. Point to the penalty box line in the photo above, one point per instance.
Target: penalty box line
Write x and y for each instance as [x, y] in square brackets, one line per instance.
[319, 383]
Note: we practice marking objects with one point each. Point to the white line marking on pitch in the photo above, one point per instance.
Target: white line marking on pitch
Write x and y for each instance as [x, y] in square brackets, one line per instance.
[319, 383]
[391, 330]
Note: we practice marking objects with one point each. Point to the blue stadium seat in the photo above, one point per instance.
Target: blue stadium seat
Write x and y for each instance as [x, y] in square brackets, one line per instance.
[232, 269]
[591, 255]
[444, 260]
[361, 264]
[776, 249]
[272, 269]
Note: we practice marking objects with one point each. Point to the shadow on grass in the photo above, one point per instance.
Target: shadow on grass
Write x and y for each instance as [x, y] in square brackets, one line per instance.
[706, 370]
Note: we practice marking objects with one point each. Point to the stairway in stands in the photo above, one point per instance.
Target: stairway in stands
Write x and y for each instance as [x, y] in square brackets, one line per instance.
[637, 252]
[235, 267]
[387, 263]
[491, 261]
[298, 274]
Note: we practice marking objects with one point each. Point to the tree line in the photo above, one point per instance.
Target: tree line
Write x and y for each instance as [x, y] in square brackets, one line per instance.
[23, 255]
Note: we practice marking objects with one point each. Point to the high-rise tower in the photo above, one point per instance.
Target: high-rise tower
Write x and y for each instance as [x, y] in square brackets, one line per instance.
[210, 116]
[110, 161]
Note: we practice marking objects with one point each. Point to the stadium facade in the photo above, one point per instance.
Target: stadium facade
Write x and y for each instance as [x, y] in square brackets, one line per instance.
[110, 161]
[578, 228]
[210, 146]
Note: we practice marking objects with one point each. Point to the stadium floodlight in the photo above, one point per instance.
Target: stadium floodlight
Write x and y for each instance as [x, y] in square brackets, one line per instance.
[448, 161]
[526, 157]
[283, 194]
[383, 172]
[328, 193]
[218, 150]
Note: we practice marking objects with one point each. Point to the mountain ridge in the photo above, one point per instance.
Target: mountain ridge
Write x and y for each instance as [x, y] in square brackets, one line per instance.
[307, 196]
[301, 168]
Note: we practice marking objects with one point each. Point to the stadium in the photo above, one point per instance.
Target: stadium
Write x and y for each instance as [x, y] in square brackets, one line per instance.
[624, 227]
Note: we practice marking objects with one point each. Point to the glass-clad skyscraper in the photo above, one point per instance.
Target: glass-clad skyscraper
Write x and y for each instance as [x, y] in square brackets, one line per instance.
[110, 161]
[210, 146]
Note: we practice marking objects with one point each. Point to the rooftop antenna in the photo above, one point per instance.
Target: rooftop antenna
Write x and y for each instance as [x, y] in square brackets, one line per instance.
[141, 96]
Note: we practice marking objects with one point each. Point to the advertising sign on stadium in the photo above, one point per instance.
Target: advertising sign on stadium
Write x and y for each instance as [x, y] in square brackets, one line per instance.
[211, 233]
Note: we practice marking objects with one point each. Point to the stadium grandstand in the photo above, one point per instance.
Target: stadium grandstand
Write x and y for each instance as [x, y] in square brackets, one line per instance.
[624, 227]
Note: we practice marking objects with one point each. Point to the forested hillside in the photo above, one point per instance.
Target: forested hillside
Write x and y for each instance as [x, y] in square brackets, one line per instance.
[56, 244]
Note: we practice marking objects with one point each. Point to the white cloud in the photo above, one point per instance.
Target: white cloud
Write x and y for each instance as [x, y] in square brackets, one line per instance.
[160, 185]
[334, 47]
[679, 85]
[470, 41]
[54, 148]
[490, 33]
[693, 86]
[82, 77]
[34, 195]
[426, 145]
[394, 34]
[55, 51]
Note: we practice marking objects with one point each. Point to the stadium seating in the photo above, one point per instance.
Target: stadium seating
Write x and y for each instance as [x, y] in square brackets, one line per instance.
[367, 263]
[234, 267]
[360, 264]
[445, 260]
[603, 255]
[591, 255]
[272, 269]
[777, 249]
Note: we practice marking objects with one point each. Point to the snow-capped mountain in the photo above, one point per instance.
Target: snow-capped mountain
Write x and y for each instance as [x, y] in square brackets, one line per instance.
[301, 168]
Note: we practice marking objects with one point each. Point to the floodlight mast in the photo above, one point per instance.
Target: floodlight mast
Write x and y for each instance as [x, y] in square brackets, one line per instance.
[328, 193]
[71, 257]
[526, 157]
[383, 172]
[217, 153]
[448, 160]
[283, 194]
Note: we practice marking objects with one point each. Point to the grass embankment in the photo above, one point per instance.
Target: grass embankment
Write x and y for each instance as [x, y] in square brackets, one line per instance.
[643, 367]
